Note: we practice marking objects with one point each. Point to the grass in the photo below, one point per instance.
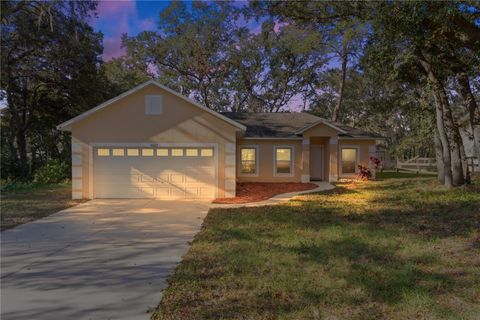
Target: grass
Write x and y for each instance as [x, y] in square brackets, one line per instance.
[31, 202]
[390, 249]
[402, 175]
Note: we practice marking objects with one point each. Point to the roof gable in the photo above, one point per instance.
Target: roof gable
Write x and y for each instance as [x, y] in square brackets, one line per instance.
[66, 126]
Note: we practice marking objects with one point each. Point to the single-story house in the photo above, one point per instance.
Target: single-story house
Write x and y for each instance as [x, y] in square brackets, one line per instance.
[152, 142]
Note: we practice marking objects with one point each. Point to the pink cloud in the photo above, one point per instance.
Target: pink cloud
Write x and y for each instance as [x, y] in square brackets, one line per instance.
[112, 48]
[114, 19]
[112, 8]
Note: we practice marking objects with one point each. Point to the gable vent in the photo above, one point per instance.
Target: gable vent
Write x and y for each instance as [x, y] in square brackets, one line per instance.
[153, 104]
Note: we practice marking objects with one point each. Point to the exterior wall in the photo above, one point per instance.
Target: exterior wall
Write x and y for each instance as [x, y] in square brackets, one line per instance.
[180, 122]
[366, 147]
[266, 158]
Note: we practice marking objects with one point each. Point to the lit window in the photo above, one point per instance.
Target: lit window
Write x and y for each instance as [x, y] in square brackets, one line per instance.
[177, 152]
[103, 152]
[132, 152]
[206, 152]
[118, 152]
[349, 160]
[192, 152]
[162, 152]
[283, 160]
[248, 163]
[147, 152]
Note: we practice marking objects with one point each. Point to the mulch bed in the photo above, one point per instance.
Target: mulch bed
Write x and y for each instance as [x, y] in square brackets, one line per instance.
[256, 191]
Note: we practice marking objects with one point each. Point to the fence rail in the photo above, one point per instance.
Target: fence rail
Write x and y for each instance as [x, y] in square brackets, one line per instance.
[418, 164]
[430, 164]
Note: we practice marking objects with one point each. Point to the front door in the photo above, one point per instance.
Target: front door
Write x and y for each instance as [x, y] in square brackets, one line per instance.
[316, 162]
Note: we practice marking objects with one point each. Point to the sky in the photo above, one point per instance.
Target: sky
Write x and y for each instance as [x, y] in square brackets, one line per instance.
[125, 16]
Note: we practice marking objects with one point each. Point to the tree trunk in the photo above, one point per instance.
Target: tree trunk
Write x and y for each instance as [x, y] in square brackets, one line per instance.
[22, 154]
[446, 156]
[439, 157]
[341, 85]
[453, 135]
[447, 127]
[472, 108]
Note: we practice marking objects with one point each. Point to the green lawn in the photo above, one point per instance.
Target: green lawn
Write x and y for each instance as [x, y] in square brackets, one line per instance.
[390, 249]
[33, 202]
[402, 175]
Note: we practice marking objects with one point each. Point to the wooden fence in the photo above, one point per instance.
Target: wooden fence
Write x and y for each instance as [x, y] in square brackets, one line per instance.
[430, 165]
[418, 164]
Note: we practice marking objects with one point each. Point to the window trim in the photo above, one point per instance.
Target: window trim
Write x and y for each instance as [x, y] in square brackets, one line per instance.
[257, 161]
[347, 146]
[292, 161]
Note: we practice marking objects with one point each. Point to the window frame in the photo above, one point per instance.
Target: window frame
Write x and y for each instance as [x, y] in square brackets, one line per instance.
[118, 155]
[357, 161]
[176, 149]
[191, 155]
[162, 155]
[292, 160]
[143, 152]
[257, 161]
[99, 151]
[133, 155]
[200, 154]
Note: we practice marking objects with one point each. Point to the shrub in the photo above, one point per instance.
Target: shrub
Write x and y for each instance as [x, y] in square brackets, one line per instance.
[364, 173]
[8, 185]
[52, 172]
[376, 161]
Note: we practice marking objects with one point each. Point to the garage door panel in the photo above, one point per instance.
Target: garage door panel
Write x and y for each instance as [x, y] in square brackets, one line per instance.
[164, 177]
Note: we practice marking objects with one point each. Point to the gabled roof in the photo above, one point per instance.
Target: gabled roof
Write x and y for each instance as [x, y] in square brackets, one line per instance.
[287, 125]
[67, 124]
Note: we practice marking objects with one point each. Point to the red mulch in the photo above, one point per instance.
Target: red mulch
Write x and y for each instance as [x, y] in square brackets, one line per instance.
[256, 191]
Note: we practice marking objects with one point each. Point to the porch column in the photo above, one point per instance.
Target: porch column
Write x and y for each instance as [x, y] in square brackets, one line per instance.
[230, 172]
[333, 151]
[306, 160]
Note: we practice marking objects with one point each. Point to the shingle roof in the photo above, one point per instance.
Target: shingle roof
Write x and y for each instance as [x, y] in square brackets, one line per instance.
[287, 124]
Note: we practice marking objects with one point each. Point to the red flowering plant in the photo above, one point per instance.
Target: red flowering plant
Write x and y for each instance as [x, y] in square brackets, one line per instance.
[376, 161]
[364, 173]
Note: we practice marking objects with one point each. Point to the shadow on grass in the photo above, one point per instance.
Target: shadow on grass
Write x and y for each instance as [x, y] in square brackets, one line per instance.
[363, 250]
[376, 270]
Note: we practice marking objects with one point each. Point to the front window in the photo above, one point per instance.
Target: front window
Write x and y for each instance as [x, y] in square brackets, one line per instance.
[349, 160]
[283, 160]
[248, 160]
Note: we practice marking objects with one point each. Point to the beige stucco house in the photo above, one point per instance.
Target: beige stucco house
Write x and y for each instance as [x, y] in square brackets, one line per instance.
[152, 142]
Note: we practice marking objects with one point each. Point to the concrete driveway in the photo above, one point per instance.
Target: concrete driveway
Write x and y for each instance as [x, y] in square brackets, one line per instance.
[104, 259]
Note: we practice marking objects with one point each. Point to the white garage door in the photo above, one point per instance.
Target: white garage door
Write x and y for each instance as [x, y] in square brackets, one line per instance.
[164, 173]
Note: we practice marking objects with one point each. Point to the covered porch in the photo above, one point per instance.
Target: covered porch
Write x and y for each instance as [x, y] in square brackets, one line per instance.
[320, 159]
